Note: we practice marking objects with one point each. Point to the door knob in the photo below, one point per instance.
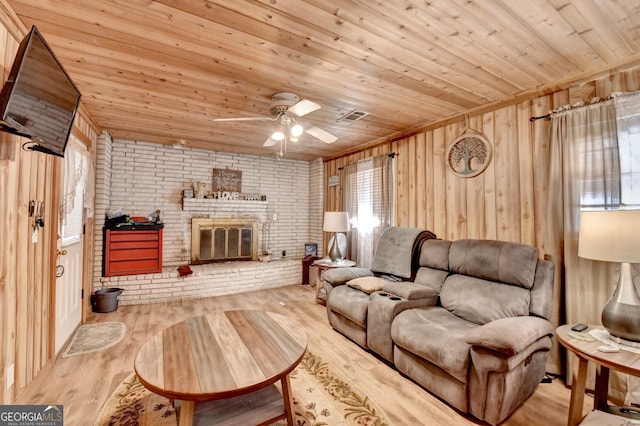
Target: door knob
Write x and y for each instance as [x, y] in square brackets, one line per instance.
[62, 252]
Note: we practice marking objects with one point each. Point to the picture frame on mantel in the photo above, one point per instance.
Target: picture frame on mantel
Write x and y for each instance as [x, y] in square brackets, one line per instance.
[226, 180]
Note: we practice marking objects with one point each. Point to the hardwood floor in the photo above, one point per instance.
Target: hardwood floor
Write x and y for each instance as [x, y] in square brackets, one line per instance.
[82, 383]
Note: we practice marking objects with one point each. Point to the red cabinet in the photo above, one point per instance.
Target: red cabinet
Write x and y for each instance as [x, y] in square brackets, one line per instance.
[131, 251]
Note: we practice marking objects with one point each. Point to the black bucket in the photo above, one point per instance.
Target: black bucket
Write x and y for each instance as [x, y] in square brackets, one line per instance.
[105, 299]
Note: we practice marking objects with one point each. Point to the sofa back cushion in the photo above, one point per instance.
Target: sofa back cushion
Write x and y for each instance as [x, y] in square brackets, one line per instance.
[489, 279]
[480, 301]
[435, 254]
[434, 263]
[499, 261]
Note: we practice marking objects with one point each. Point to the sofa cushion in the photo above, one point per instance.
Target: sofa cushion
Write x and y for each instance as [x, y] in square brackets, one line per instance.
[410, 291]
[367, 284]
[338, 276]
[435, 254]
[500, 261]
[436, 335]
[430, 277]
[481, 301]
[350, 303]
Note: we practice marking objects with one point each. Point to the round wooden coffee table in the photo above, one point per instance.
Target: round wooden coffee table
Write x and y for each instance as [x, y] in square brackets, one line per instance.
[229, 359]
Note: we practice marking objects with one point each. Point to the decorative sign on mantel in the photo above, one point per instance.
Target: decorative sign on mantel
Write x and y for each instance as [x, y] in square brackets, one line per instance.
[225, 180]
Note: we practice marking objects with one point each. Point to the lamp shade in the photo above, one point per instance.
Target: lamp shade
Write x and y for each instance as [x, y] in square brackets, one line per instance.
[336, 222]
[610, 235]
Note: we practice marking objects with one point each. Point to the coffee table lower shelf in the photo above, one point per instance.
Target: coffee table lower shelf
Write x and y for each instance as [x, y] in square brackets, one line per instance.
[261, 407]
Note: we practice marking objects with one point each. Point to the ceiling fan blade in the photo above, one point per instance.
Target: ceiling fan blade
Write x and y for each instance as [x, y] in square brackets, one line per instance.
[324, 136]
[246, 119]
[304, 107]
[269, 142]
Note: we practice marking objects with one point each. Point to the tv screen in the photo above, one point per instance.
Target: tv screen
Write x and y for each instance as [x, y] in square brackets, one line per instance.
[39, 101]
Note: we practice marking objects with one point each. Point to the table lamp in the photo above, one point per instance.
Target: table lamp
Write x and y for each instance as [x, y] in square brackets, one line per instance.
[336, 222]
[614, 236]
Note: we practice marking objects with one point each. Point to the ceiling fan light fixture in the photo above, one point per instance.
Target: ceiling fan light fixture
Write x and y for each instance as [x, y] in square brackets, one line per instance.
[296, 130]
[277, 136]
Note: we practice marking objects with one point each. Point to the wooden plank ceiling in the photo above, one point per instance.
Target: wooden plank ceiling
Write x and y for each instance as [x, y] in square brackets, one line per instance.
[163, 70]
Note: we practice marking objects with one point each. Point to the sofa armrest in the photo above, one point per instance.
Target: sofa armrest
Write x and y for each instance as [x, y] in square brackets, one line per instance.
[339, 276]
[410, 291]
[510, 335]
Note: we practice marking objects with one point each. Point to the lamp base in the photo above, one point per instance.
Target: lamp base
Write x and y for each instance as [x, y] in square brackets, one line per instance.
[622, 321]
[335, 253]
[624, 341]
[621, 315]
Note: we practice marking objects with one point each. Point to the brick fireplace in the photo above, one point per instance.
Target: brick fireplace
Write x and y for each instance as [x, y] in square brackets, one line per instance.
[142, 177]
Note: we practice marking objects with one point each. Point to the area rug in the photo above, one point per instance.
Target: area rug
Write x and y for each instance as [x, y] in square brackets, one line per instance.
[95, 337]
[321, 398]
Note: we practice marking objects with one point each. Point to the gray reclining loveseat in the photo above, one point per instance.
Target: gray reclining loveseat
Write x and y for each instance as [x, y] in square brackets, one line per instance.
[473, 327]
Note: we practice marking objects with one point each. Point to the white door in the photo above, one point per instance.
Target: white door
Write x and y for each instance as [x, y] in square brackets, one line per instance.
[68, 293]
[69, 274]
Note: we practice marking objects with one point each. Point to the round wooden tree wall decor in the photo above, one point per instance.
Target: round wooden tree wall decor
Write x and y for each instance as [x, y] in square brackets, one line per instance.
[469, 154]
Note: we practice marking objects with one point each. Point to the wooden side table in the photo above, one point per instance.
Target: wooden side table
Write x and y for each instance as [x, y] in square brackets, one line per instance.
[318, 268]
[623, 361]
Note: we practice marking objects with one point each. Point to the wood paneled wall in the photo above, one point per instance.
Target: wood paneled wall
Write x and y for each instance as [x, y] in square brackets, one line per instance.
[27, 269]
[508, 200]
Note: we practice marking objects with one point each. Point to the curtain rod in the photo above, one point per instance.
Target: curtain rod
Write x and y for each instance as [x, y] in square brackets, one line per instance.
[594, 100]
[532, 119]
[390, 155]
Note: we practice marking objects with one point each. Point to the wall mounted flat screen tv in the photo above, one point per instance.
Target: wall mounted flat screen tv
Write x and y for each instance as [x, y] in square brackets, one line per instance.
[39, 101]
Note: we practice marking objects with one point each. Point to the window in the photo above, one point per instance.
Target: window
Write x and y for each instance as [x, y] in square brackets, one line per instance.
[607, 153]
[368, 198]
[628, 129]
[76, 163]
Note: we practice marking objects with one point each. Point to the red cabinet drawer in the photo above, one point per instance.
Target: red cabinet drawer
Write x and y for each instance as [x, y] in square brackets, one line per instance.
[132, 252]
[132, 255]
[133, 245]
[132, 267]
[134, 236]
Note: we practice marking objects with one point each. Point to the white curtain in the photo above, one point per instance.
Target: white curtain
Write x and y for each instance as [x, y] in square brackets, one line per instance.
[584, 173]
[628, 125]
[368, 200]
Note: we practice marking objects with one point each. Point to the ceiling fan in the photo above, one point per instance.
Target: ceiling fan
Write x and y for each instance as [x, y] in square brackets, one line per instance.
[285, 109]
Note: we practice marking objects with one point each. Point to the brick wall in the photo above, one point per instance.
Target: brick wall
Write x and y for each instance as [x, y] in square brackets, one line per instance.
[141, 177]
[316, 206]
[215, 279]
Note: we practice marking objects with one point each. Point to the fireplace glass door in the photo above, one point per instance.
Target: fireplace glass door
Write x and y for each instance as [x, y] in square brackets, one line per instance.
[225, 243]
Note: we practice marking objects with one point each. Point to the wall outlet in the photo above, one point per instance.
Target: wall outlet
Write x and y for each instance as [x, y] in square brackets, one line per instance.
[9, 375]
[275, 217]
